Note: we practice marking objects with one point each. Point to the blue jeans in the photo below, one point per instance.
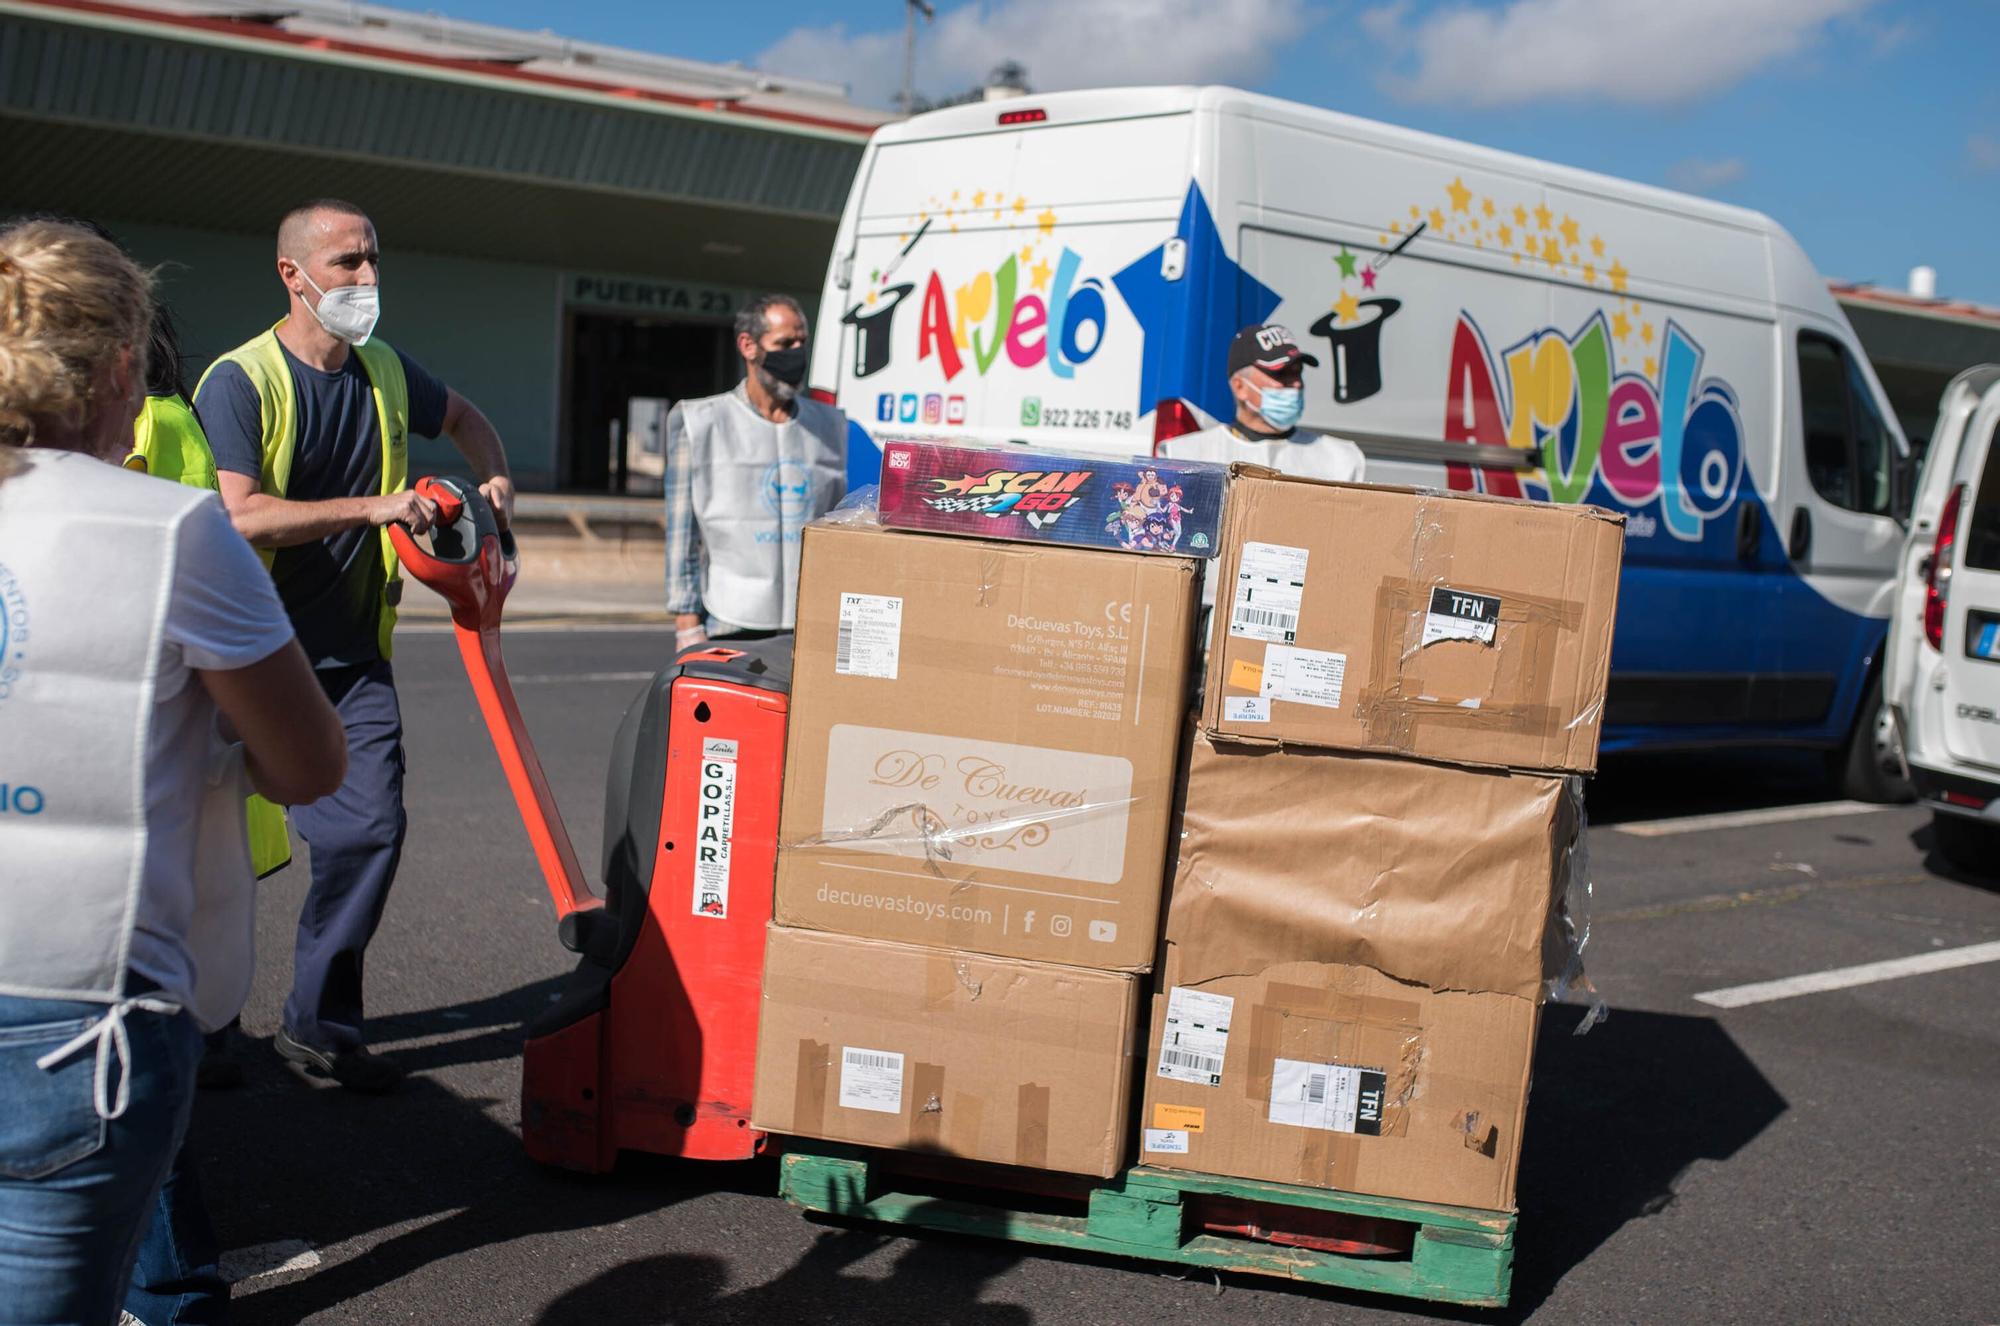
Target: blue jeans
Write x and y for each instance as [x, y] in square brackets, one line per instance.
[176, 1280]
[356, 837]
[76, 1188]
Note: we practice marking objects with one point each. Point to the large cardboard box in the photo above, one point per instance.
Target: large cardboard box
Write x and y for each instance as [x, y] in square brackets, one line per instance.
[982, 744]
[924, 1049]
[1413, 622]
[1355, 952]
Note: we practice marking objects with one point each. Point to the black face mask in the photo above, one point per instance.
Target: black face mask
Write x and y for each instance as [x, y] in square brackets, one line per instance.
[787, 366]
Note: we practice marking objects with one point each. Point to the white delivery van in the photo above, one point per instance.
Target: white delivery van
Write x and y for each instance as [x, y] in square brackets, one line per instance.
[1942, 673]
[1067, 271]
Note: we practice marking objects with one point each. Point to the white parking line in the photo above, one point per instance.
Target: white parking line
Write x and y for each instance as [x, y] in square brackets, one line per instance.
[280, 1258]
[1743, 819]
[1840, 978]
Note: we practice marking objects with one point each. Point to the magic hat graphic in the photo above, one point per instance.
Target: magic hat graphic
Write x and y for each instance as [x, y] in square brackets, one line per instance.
[1356, 351]
[873, 323]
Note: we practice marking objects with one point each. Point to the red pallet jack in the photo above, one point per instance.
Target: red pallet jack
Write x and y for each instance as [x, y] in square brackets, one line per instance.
[652, 1043]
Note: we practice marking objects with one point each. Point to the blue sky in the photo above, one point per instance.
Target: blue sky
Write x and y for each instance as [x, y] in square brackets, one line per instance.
[1871, 130]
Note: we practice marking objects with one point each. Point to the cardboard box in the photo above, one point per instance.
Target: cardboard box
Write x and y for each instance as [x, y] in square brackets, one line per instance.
[1173, 507]
[982, 744]
[1355, 951]
[1444, 626]
[923, 1049]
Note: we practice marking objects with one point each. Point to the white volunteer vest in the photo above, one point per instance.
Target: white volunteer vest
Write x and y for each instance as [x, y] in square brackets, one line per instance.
[756, 485]
[87, 560]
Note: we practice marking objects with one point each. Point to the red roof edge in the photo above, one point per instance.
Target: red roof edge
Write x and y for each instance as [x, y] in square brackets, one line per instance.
[486, 68]
[1861, 292]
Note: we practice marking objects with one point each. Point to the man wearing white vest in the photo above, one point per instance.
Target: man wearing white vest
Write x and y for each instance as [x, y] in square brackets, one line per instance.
[310, 426]
[746, 472]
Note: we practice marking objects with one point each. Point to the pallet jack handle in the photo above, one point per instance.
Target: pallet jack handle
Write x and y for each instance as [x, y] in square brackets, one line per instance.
[472, 563]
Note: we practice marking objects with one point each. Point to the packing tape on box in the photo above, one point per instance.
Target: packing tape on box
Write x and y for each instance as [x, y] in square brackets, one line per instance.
[1567, 934]
[840, 998]
[1031, 1126]
[927, 1122]
[815, 1062]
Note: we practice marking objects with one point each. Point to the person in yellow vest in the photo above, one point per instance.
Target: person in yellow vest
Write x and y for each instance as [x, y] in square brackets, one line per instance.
[309, 424]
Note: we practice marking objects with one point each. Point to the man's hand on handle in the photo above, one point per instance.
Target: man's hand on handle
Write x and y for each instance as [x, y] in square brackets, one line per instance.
[499, 494]
[407, 508]
[689, 631]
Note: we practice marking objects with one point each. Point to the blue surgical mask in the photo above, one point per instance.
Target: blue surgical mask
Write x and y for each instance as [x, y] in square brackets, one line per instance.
[1281, 406]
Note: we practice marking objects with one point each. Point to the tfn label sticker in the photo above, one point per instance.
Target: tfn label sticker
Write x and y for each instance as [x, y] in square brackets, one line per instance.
[1332, 1097]
[1270, 585]
[1185, 1118]
[871, 1080]
[1245, 709]
[714, 822]
[1305, 676]
[1197, 1036]
[1166, 1141]
[1457, 615]
[871, 636]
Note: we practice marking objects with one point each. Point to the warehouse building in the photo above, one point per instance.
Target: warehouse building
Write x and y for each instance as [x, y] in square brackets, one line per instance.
[566, 228]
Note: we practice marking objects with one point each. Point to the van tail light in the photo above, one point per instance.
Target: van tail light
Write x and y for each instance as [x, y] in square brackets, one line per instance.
[822, 395]
[1172, 418]
[1937, 580]
[1965, 799]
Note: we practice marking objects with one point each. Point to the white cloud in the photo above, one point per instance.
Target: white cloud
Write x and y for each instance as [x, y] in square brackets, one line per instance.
[1062, 43]
[1696, 175]
[1636, 51]
[1982, 152]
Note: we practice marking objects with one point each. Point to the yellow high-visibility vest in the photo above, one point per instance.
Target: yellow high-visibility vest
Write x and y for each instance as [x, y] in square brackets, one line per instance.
[263, 362]
[168, 443]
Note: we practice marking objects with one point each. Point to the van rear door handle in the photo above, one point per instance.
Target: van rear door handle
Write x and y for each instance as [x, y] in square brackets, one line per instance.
[1799, 546]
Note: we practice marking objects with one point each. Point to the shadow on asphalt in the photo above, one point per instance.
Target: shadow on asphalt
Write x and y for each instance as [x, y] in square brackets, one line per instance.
[1667, 786]
[933, 1280]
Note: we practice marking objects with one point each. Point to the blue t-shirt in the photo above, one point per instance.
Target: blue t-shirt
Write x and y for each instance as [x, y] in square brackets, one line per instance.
[332, 587]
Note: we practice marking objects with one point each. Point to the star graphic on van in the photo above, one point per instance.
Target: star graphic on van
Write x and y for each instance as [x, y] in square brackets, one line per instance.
[1568, 228]
[1047, 221]
[1618, 275]
[1543, 216]
[1174, 361]
[1461, 197]
[1346, 261]
[1347, 307]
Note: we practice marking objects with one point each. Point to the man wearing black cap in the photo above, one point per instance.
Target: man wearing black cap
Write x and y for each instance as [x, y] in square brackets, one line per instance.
[1266, 375]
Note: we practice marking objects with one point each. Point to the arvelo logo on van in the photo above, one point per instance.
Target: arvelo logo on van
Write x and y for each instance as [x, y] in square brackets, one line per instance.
[13, 632]
[1672, 444]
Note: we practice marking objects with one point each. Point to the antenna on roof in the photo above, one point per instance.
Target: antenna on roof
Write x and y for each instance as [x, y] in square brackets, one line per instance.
[912, 8]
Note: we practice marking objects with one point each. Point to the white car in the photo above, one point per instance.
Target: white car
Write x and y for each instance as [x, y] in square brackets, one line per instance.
[1942, 673]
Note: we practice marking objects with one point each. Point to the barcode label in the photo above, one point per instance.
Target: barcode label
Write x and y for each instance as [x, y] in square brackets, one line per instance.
[1195, 1043]
[871, 1080]
[870, 640]
[1335, 1098]
[1270, 586]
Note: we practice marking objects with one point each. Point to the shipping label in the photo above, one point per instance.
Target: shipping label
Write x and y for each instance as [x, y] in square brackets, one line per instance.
[871, 636]
[871, 1080]
[1335, 1098]
[1457, 615]
[1270, 586]
[1245, 709]
[1166, 1141]
[987, 804]
[714, 823]
[1196, 1041]
[1304, 676]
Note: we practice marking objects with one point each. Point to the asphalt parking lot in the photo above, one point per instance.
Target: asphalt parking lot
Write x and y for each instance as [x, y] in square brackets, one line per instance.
[1823, 1156]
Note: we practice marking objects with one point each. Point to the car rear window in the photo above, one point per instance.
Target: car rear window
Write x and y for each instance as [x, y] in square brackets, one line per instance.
[1982, 526]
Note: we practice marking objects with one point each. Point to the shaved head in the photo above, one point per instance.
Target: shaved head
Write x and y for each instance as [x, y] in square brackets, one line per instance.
[305, 227]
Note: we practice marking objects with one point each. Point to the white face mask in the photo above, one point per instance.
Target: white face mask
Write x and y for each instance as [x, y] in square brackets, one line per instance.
[349, 312]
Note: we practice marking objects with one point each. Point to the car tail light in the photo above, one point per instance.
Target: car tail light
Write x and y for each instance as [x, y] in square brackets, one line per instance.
[1173, 417]
[1023, 116]
[822, 395]
[1937, 581]
[1965, 799]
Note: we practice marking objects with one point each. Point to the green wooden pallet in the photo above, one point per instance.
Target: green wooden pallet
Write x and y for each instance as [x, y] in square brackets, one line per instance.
[1447, 1254]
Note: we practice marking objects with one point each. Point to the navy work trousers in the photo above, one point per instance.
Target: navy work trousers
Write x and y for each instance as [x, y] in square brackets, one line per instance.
[356, 839]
